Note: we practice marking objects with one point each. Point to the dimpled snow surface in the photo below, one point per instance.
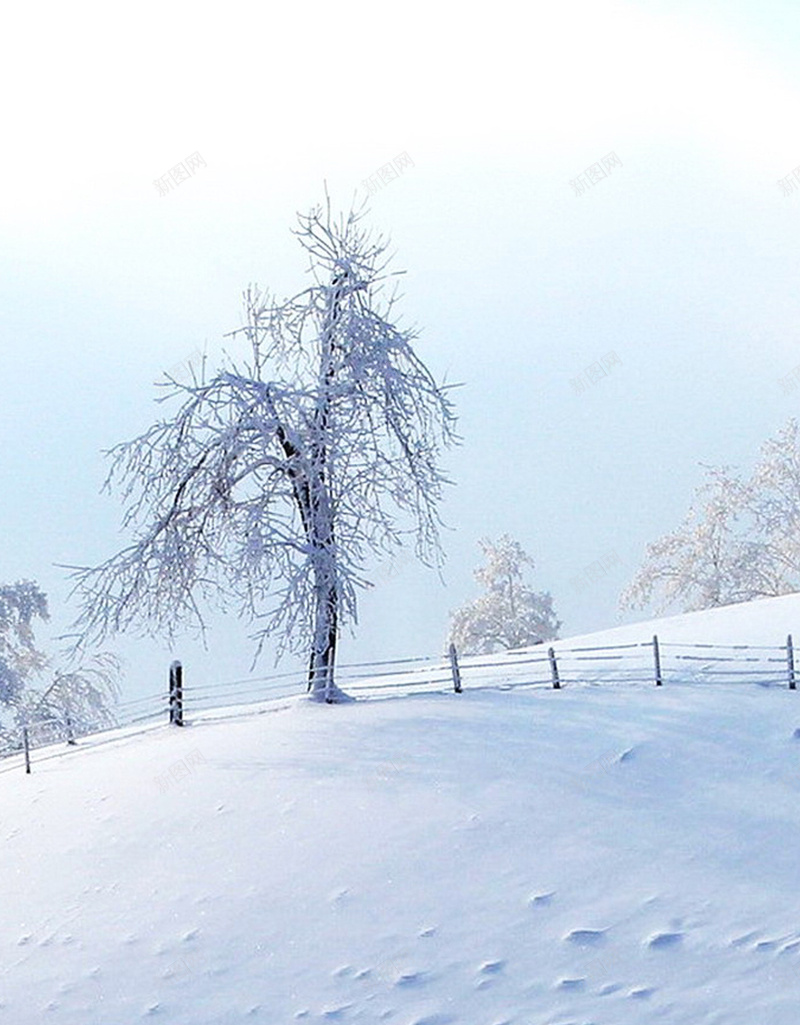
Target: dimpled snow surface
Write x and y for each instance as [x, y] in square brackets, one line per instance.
[599, 855]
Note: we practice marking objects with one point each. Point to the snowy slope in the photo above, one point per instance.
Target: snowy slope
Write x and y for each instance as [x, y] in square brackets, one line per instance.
[766, 621]
[590, 855]
[735, 643]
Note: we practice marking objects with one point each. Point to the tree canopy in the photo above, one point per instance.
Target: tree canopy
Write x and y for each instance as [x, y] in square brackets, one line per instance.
[509, 614]
[739, 540]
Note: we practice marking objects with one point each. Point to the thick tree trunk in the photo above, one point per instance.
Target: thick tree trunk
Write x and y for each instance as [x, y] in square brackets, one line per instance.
[321, 682]
[320, 527]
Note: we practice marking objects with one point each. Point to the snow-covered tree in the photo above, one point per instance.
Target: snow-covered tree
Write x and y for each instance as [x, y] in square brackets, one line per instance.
[700, 565]
[770, 505]
[82, 697]
[85, 692]
[739, 541]
[20, 659]
[273, 482]
[509, 614]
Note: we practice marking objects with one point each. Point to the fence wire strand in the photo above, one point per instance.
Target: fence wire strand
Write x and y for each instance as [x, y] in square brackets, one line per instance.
[622, 664]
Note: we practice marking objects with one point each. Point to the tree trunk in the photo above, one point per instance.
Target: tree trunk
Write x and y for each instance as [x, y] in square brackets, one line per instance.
[323, 651]
[320, 527]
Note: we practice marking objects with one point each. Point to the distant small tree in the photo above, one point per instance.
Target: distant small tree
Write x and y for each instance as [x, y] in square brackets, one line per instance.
[699, 565]
[739, 541]
[769, 508]
[510, 614]
[274, 481]
[85, 692]
[20, 659]
[83, 697]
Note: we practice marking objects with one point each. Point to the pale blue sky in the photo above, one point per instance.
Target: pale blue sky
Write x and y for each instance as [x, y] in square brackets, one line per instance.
[683, 261]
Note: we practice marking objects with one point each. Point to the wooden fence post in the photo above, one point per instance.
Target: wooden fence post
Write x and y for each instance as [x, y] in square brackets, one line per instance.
[176, 694]
[26, 746]
[790, 662]
[554, 669]
[657, 659]
[454, 668]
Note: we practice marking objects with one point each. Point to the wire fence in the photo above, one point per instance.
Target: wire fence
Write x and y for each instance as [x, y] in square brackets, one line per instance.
[651, 663]
[48, 731]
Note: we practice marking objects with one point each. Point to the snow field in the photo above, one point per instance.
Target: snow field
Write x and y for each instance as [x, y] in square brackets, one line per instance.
[529, 857]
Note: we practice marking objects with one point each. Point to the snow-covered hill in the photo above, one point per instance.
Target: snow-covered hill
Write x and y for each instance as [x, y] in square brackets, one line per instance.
[766, 621]
[536, 857]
